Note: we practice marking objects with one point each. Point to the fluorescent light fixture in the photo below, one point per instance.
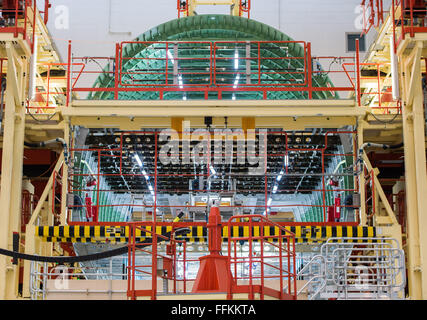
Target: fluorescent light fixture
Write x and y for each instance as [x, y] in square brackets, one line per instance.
[236, 82]
[269, 201]
[279, 177]
[150, 187]
[286, 160]
[181, 84]
[213, 170]
[138, 159]
[233, 97]
[236, 60]
[275, 188]
[171, 57]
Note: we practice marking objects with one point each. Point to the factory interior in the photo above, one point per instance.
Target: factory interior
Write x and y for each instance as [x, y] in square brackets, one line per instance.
[213, 150]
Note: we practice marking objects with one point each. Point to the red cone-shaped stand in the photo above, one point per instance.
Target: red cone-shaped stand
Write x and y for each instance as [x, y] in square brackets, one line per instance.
[214, 272]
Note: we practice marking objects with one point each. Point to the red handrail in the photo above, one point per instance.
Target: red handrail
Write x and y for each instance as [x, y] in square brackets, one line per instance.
[286, 255]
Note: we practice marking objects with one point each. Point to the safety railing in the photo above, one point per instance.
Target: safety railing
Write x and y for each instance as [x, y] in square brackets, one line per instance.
[137, 174]
[249, 62]
[232, 70]
[407, 17]
[373, 14]
[60, 80]
[313, 276]
[166, 64]
[183, 70]
[164, 266]
[19, 17]
[182, 8]
[371, 269]
[48, 279]
[375, 87]
[275, 255]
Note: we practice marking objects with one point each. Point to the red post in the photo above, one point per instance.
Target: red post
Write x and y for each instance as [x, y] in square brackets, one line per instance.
[47, 5]
[116, 73]
[34, 25]
[359, 102]
[214, 273]
[411, 14]
[393, 17]
[69, 75]
[309, 72]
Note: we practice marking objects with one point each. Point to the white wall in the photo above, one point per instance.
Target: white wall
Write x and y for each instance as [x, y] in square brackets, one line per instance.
[95, 26]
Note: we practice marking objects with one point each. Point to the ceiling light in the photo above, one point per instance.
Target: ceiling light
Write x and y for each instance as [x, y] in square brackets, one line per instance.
[236, 82]
[171, 57]
[236, 60]
[138, 159]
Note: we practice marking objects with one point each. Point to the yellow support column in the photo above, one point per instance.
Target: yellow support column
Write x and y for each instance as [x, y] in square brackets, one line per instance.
[64, 191]
[361, 180]
[415, 175]
[11, 173]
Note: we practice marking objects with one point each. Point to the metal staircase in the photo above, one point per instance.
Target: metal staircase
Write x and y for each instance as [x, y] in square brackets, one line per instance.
[346, 269]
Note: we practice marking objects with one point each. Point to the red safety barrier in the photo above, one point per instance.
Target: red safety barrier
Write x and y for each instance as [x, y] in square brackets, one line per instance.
[54, 96]
[224, 69]
[373, 14]
[408, 17]
[377, 93]
[19, 17]
[276, 253]
[170, 260]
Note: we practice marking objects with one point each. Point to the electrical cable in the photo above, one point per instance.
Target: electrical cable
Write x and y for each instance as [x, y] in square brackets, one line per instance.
[41, 121]
[89, 257]
[386, 122]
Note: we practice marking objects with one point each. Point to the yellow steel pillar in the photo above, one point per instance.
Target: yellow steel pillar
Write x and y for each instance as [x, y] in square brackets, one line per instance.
[235, 8]
[64, 191]
[192, 7]
[361, 180]
[415, 173]
[11, 173]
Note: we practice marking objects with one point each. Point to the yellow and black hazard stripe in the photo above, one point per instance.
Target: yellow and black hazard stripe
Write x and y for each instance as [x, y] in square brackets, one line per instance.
[198, 234]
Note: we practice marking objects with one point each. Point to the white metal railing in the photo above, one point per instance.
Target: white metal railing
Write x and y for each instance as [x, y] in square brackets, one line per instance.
[367, 270]
[315, 275]
[41, 272]
[343, 268]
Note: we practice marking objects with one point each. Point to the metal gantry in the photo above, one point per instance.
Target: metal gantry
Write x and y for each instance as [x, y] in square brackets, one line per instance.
[252, 84]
